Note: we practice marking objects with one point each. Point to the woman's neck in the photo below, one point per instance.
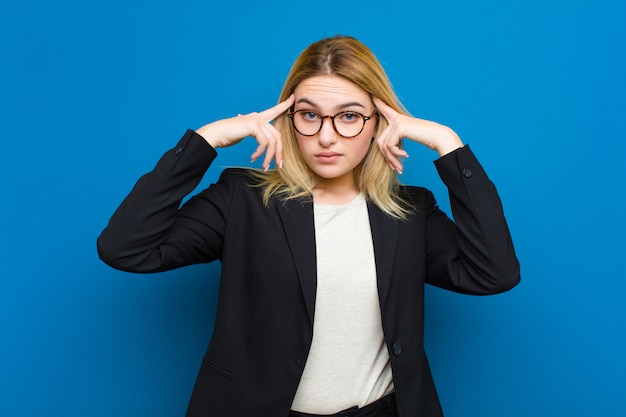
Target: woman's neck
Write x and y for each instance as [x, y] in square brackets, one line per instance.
[335, 191]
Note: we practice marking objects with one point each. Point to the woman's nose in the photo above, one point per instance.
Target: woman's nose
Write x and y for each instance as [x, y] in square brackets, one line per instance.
[327, 135]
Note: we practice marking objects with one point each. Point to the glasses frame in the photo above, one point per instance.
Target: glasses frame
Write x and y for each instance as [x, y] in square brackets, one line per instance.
[332, 119]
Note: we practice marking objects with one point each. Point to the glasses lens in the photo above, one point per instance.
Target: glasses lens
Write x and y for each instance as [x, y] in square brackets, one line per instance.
[307, 122]
[349, 124]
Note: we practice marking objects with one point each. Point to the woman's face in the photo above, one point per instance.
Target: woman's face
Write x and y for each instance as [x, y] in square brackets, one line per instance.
[331, 156]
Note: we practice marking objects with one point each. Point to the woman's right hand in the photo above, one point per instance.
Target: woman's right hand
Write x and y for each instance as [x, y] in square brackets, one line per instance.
[227, 132]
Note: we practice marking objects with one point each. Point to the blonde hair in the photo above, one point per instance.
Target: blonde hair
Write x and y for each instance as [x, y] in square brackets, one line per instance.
[348, 58]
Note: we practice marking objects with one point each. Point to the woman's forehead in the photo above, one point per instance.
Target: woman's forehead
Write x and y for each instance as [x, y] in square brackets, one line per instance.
[330, 91]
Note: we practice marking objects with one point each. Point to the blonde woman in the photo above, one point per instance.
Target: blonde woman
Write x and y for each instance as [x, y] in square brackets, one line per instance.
[325, 255]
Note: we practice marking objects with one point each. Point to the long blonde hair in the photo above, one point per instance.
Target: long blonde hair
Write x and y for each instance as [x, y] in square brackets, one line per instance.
[345, 57]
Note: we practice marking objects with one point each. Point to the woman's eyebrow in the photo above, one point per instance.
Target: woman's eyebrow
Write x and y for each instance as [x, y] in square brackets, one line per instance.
[340, 106]
[305, 100]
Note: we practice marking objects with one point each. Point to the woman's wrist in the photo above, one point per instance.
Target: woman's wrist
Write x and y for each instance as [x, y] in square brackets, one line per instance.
[448, 142]
[204, 131]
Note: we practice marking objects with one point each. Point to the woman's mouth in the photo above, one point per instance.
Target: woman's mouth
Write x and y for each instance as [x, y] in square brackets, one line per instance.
[327, 157]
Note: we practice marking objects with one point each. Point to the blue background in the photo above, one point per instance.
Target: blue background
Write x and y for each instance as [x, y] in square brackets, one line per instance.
[92, 93]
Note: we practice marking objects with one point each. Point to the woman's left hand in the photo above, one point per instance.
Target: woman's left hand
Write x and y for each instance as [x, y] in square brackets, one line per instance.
[433, 135]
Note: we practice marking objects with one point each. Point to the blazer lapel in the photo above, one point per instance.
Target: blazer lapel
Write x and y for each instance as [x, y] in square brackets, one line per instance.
[385, 235]
[297, 219]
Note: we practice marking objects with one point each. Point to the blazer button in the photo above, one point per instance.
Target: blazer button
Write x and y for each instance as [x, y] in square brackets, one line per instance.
[467, 172]
[397, 348]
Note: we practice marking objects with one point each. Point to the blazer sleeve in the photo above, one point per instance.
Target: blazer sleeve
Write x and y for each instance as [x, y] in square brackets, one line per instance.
[151, 232]
[474, 254]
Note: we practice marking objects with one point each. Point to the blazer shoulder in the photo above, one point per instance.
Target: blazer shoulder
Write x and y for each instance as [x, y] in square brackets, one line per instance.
[412, 190]
[418, 200]
[238, 174]
[239, 177]
[236, 183]
[414, 194]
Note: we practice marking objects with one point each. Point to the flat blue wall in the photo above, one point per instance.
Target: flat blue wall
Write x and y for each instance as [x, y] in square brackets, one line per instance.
[93, 92]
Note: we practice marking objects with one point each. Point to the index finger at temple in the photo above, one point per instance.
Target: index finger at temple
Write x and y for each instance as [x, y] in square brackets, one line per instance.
[384, 109]
[273, 112]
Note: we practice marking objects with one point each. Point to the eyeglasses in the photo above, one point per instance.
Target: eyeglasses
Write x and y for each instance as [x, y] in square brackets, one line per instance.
[347, 124]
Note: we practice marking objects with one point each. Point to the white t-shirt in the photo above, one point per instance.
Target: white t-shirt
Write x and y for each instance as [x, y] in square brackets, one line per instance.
[348, 363]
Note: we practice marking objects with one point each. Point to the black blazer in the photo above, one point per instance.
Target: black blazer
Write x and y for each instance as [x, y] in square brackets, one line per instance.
[265, 312]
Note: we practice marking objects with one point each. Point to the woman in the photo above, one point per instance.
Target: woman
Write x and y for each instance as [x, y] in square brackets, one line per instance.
[324, 258]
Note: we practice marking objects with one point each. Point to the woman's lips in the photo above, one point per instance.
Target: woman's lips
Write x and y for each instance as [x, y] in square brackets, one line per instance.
[327, 156]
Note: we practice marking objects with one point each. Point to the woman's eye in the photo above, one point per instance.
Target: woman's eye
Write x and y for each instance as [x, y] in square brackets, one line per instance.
[349, 117]
[309, 115]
